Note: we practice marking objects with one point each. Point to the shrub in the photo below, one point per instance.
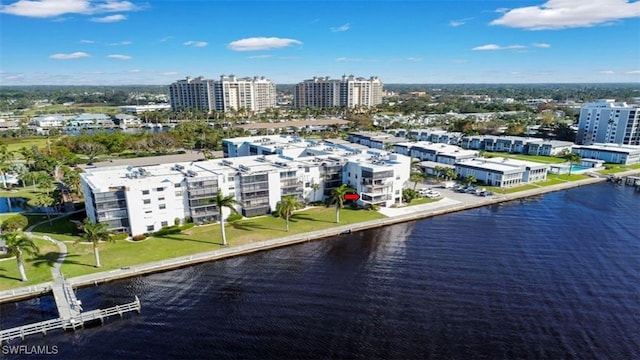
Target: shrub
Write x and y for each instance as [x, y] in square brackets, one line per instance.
[354, 206]
[168, 230]
[14, 223]
[234, 217]
[121, 236]
[176, 221]
[139, 237]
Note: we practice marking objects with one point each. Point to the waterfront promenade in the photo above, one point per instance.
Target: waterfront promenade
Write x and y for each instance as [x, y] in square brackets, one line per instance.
[451, 202]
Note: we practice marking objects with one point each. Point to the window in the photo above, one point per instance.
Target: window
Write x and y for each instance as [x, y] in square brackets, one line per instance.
[147, 212]
[161, 198]
[150, 227]
[306, 169]
[177, 185]
[145, 192]
[164, 223]
[162, 206]
[160, 189]
[178, 193]
[147, 201]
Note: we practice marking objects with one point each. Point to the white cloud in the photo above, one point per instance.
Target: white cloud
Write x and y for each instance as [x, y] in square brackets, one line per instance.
[134, 71]
[487, 47]
[562, 14]
[53, 8]
[87, 42]
[119, 57]
[607, 72]
[347, 59]
[170, 73]
[541, 45]
[341, 28]
[260, 57]
[493, 47]
[166, 38]
[196, 43]
[126, 42]
[109, 19]
[75, 55]
[456, 23]
[633, 72]
[261, 43]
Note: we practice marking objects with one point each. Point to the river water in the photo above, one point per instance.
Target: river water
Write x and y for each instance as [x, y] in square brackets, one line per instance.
[550, 277]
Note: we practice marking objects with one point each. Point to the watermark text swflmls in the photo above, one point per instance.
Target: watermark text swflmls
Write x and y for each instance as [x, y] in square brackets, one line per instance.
[29, 350]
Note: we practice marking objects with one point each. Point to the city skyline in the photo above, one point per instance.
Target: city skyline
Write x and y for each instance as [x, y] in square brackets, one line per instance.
[83, 42]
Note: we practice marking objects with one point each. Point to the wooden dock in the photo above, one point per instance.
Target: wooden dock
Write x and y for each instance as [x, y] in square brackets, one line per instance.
[71, 315]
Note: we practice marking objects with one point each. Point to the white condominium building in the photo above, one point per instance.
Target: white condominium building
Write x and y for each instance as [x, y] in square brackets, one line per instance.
[145, 199]
[502, 172]
[254, 94]
[227, 94]
[607, 121]
[192, 93]
[350, 92]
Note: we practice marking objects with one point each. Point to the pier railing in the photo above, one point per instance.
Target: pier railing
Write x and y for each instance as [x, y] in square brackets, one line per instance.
[73, 323]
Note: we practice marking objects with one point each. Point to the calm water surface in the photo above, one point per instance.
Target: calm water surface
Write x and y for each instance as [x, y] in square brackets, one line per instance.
[550, 277]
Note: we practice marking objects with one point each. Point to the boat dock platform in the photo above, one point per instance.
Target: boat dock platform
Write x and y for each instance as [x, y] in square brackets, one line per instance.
[71, 315]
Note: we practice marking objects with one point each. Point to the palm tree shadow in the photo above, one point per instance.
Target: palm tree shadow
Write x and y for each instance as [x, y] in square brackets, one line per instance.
[7, 276]
[249, 226]
[69, 261]
[48, 259]
[295, 217]
[168, 237]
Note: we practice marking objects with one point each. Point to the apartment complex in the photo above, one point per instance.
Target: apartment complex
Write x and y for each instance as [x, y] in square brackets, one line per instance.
[141, 200]
[516, 145]
[229, 93]
[502, 172]
[611, 153]
[350, 91]
[608, 121]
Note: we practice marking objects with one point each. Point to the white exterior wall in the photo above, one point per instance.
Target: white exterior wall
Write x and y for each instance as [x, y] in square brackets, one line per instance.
[142, 216]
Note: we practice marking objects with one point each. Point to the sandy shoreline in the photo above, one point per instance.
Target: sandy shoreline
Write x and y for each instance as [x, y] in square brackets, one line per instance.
[447, 205]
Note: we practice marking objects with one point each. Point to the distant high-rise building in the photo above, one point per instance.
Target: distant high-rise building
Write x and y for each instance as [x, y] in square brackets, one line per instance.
[229, 93]
[351, 92]
[607, 121]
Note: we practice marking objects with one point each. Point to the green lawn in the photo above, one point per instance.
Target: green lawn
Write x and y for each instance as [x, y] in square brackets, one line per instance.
[615, 168]
[80, 260]
[38, 269]
[497, 190]
[567, 177]
[18, 143]
[19, 192]
[424, 200]
[536, 158]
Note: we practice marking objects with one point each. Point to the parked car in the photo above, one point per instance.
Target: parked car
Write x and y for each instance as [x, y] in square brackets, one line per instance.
[470, 189]
[485, 193]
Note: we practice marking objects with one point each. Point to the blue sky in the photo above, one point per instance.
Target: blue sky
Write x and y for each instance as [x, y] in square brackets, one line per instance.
[113, 42]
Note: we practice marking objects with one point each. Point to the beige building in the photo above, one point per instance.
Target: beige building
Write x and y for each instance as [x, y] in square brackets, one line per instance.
[350, 92]
[227, 94]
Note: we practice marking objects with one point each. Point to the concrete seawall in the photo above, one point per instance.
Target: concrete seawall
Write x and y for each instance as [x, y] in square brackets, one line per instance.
[421, 212]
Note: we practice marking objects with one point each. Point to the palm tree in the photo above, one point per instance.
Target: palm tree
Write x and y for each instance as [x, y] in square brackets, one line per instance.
[42, 201]
[573, 159]
[95, 233]
[19, 245]
[470, 179]
[315, 187]
[6, 161]
[286, 206]
[222, 202]
[416, 177]
[337, 197]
